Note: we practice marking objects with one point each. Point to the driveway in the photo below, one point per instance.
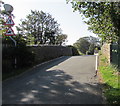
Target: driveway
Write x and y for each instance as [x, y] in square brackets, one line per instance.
[66, 80]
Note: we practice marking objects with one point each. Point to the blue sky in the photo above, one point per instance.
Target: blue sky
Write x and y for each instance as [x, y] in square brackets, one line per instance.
[70, 22]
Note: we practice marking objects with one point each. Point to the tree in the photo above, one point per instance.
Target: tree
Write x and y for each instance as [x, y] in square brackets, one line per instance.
[103, 18]
[60, 39]
[3, 16]
[91, 49]
[87, 44]
[39, 28]
[82, 45]
[93, 40]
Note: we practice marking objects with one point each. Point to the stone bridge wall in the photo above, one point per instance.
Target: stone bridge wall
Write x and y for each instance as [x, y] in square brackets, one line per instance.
[106, 51]
[44, 53]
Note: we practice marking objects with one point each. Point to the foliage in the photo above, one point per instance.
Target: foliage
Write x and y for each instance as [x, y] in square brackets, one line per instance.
[74, 50]
[2, 21]
[103, 18]
[87, 44]
[91, 49]
[93, 40]
[40, 28]
[82, 45]
[60, 39]
[111, 81]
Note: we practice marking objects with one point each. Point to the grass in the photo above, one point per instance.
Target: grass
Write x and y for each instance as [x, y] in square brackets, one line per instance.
[80, 53]
[111, 78]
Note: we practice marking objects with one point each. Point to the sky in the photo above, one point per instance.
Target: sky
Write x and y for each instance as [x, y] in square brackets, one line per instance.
[70, 22]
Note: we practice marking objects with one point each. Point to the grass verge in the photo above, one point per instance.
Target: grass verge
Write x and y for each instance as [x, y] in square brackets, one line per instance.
[110, 82]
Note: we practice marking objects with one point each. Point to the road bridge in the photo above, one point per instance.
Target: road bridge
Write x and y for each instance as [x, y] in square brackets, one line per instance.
[66, 80]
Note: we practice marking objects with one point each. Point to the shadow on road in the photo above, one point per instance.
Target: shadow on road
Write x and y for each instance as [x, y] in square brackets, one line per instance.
[51, 87]
[38, 68]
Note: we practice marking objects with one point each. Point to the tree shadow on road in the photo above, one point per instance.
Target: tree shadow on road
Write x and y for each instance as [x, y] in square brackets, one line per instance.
[51, 87]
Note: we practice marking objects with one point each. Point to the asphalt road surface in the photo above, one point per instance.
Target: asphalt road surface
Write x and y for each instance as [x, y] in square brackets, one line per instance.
[67, 80]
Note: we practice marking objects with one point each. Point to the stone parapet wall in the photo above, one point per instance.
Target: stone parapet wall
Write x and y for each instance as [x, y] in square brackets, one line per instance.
[106, 48]
[44, 53]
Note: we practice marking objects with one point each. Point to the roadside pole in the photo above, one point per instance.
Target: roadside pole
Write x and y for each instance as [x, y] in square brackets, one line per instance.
[10, 23]
[96, 64]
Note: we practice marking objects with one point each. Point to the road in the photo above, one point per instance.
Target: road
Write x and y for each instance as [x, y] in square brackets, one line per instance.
[67, 80]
